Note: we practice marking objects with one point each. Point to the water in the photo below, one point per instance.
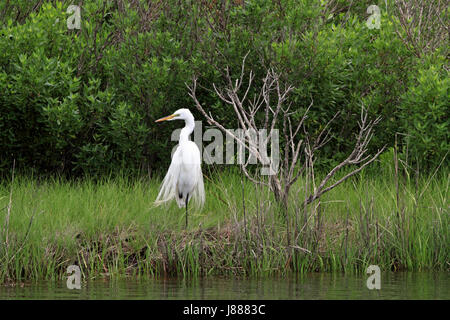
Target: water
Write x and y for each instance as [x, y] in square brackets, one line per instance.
[406, 285]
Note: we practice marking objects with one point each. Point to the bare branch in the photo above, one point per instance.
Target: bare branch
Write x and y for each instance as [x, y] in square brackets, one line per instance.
[273, 100]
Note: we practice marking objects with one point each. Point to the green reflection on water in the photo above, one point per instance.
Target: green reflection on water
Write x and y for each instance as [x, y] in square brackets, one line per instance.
[407, 285]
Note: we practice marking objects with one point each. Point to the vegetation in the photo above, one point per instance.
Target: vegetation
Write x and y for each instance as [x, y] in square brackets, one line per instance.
[84, 101]
[110, 228]
[81, 158]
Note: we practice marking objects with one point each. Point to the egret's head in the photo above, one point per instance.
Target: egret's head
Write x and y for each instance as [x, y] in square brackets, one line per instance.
[180, 114]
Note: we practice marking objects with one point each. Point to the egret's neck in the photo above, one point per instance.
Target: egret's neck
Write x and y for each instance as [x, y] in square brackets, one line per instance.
[187, 130]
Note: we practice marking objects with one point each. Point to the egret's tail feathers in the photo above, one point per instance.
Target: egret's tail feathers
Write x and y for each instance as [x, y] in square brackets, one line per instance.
[169, 189]
[168, 186]
[198, 194]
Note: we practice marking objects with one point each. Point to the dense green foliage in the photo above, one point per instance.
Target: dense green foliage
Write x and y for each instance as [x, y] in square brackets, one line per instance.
[85, 101]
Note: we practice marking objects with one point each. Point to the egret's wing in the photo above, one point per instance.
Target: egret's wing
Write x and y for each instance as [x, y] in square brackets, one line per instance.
[169, 184]
[185, 169]
[199, 189]
[198, 193]
[190, 179]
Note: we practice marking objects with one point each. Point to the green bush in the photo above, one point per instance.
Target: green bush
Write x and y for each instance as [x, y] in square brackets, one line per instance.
[84, 101]
[425, 112]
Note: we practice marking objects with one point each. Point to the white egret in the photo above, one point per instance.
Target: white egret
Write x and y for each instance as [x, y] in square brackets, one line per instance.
[184, 179]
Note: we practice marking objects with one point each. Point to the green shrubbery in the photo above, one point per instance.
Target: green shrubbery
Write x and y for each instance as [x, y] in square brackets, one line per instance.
[425, 111]
[85, 101]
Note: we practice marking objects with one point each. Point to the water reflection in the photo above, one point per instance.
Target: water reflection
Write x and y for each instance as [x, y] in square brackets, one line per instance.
[408, 285]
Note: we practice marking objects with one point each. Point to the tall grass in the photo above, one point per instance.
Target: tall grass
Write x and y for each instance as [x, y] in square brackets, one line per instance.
[110, 228]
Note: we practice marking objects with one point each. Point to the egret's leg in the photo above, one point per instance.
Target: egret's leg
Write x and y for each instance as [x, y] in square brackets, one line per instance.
[187, 199]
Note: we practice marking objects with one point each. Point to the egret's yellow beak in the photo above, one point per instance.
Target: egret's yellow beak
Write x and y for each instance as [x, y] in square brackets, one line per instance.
[167, 118]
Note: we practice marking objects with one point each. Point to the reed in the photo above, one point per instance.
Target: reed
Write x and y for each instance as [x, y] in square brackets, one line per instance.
[110, 228]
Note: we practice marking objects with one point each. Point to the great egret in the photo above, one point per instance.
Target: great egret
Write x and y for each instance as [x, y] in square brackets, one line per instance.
[184, 179]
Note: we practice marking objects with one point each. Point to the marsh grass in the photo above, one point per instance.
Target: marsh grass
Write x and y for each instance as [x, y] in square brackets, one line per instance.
[110, 228]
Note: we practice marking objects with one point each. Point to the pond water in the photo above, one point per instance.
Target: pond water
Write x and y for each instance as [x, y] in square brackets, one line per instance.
[403, 285]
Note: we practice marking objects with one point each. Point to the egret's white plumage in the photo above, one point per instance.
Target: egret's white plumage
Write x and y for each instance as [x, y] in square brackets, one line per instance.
[184, 179]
